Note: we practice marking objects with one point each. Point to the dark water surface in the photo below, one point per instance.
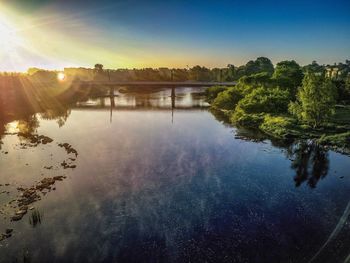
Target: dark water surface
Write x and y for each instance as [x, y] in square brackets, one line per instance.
[159, 178]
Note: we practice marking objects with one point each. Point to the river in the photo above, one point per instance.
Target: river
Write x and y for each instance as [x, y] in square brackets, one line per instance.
[157, 177]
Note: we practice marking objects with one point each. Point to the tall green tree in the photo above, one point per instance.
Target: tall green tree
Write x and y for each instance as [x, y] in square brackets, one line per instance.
[288, 75]
[260, 65]
[315, 100]
[265, 65]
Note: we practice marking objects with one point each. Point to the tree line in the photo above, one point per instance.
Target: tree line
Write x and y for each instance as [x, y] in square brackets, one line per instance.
[196, 73]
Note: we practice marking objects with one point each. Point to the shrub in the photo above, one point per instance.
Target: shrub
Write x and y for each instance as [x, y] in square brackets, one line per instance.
[265, 100]
[228, 99]
[278, 126]
[243, 118]
[212, 92]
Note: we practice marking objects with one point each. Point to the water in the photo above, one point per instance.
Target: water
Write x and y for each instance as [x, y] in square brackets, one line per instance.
[159, 178]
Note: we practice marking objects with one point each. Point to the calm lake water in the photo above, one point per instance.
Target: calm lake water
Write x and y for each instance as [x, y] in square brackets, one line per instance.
[159, 178]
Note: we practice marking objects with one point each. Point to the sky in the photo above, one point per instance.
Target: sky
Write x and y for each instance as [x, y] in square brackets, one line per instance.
[54, 34]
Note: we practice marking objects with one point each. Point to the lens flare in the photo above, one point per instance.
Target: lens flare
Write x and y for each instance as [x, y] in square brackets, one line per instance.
[61, 76]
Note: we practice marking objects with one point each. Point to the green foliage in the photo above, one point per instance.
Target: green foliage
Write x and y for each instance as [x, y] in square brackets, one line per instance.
[199, 73]
[247, 84]
[261, 101]
[288, 75]
[212, 92]
[278, 126]
[315, 100]
[341, 116]
[243, 118]
[228, 99]
[260, 65]
[268, 100]
[347, 86]
[252, 108]
[256, 79]
[315, 68]
[343, 88]
[337, 139]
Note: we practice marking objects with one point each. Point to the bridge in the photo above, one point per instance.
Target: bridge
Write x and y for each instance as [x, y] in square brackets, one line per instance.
[156, 83]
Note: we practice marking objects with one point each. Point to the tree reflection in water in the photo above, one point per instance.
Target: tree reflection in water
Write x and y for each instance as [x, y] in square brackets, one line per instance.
[35, 218]
[310, 161]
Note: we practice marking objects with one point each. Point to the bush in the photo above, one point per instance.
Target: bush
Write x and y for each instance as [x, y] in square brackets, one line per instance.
[247, 84]
[337, 139]
[228, 99]
[265, 100]
[212, 92]
[243, 118]
[278, 126]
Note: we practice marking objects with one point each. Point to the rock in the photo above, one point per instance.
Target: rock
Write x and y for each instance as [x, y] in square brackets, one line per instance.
[45, 184]
[58, 178]
[16, 217]
[6, 235]
[21, 212]
[9, 230]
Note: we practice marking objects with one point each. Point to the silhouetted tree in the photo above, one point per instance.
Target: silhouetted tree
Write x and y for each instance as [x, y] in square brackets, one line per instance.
[98, 68]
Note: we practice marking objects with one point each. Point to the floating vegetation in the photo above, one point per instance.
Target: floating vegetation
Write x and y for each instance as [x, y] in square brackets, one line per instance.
[19, 206]
[34, 139]
[69, 149]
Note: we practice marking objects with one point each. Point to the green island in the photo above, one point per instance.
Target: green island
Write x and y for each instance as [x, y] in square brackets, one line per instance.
[289, 101]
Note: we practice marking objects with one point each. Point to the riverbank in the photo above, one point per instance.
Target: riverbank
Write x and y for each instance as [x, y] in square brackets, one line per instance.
[334, 135]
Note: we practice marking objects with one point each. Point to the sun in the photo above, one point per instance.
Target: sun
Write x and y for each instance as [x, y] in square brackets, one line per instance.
[61, 76]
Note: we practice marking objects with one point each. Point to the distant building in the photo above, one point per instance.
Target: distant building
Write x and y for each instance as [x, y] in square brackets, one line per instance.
[332, 72]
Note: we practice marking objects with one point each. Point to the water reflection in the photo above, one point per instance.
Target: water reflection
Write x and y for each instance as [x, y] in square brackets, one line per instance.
[310, 161]
[35, 218]
[147, 189]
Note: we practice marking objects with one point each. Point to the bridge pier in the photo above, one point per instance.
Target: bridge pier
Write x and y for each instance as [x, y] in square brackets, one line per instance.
[112, 102]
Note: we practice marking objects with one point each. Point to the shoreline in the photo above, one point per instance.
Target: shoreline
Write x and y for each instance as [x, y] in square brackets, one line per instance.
[336, 141]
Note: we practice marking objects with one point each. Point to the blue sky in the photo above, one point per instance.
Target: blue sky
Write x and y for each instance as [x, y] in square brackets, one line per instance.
[180, 33]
